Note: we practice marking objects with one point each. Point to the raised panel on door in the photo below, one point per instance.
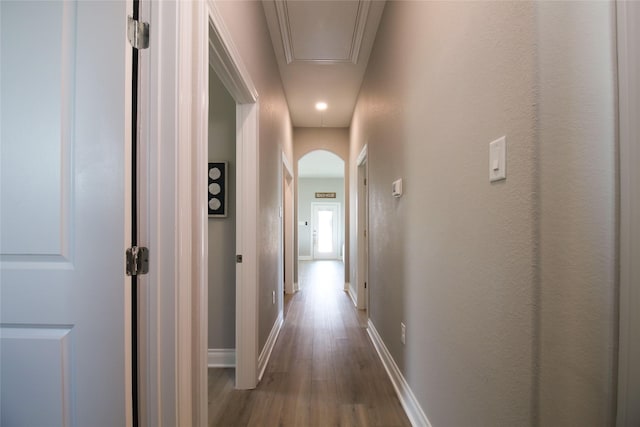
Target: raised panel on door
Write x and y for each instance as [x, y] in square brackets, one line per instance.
[62, 216]
[37, 119]
[36, 384]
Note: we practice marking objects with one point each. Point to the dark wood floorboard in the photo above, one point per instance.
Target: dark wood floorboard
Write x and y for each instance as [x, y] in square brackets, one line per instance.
[323, 370]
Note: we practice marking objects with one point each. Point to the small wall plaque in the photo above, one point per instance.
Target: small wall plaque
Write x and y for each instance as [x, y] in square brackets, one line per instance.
[325, 195]
[217, 189]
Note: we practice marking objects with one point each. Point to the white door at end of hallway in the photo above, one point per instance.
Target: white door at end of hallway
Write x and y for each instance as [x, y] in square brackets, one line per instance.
[325, 230]
[63, 74]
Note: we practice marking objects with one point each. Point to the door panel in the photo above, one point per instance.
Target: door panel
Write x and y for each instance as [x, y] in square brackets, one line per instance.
[63, 138]
[37, 228]
[45, 351]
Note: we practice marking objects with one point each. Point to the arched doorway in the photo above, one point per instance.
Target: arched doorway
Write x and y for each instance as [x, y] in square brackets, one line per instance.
[321, 207]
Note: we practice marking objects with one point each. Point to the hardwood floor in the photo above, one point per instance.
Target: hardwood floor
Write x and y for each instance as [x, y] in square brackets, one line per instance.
[323, 370]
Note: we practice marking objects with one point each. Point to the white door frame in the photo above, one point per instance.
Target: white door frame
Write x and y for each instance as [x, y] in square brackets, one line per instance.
[362, 217]
[338, 207]
[173, 213]
[226, 61]
[628, 27]
[287, 224]
[175, 114]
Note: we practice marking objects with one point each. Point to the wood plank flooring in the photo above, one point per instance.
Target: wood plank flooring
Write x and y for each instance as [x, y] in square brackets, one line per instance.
[323, 370]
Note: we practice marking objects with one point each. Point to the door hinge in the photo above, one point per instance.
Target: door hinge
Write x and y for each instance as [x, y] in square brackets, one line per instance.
[138, 33]
[239, 259]
[365, 285]
[137, 261]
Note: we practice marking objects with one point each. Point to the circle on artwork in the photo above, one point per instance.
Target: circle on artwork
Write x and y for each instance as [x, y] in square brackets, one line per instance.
[214, 189]
[214, 204]
[214, 173]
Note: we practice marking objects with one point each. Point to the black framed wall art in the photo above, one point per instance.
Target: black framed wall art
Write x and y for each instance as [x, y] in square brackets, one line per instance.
[217, 189]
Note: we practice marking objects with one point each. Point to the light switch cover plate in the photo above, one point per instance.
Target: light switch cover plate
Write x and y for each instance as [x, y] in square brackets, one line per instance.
[498, 159]
[396, 188]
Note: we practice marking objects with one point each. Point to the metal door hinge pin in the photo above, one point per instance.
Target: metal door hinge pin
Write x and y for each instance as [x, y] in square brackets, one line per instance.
[138, 33]
[137, 260]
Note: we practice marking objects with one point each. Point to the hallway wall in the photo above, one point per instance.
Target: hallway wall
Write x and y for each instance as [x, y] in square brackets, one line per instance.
[577, 295]
[222, 231]
[247, 24]
[506, 288]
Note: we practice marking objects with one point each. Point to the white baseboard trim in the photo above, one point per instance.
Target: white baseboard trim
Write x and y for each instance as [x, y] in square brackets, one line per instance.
[346, 286]
[304, 258]
[352, 295]
[296, 287]
[407, 399]
[265, 354]
[221, 358]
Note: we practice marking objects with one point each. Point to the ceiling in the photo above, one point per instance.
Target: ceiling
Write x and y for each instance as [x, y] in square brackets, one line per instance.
[322, 48]
[320, 164]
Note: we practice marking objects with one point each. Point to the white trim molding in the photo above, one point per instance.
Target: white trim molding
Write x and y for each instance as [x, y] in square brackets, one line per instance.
[265, 354]
[288, 200]
[226, 61]
[304, 258]
[172, 222]
[628, 23]
[351, 294]
[199, 218]
[221, 358]
[361, 225]
[247, 245]
[409, 402]
[287, 164]
[362, 156]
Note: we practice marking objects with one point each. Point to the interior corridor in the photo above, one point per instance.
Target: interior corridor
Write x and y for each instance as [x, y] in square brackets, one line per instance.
[323, 370]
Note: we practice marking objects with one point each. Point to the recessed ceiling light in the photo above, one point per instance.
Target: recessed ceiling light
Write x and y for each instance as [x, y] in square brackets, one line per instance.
[321, 106]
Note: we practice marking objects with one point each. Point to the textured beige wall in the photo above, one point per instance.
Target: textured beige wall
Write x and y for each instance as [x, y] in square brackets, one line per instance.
[335, 140]
[453, 258]
[247, 25]
[222, 231]
[507, 289]
[577, 296]
[628, 23]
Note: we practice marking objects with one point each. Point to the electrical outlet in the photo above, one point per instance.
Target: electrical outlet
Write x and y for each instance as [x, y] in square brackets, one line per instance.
[403, 333]
[273, 297]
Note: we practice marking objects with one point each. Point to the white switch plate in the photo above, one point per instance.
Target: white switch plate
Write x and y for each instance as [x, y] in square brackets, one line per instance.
[396, 188]
[498, 159]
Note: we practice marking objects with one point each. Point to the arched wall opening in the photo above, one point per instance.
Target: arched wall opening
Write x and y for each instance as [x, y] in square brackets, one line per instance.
[321, 210]
[328, 142]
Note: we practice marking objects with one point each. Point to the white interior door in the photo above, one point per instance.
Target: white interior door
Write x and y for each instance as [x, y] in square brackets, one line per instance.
[325, 230]
[63, 73]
